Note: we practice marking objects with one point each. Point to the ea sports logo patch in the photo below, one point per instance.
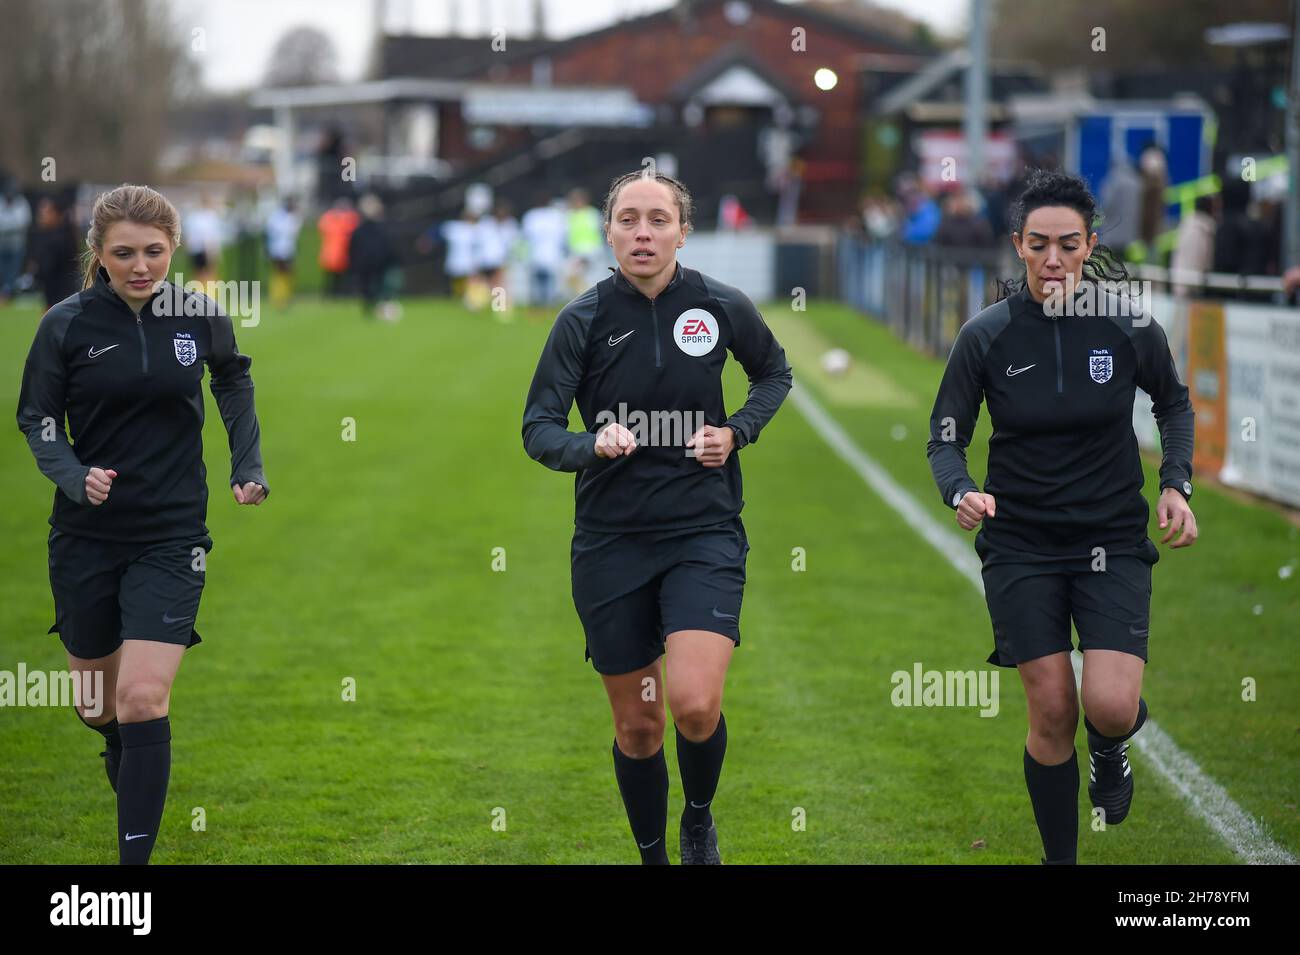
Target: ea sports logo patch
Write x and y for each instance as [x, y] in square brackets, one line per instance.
[695, 332]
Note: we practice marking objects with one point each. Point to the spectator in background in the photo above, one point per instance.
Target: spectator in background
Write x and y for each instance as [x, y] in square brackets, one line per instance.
[495, 236]
[54, 253]
[1240, 242]
[732, 216]
[545, 230]
[1154, 169]
[1000, 194]
[879, 217]
[1291, 284]
[371, 256]
[203, 233]
[921, 211]
[330, 154]
[282, 228]
[1268, 213]
[585, 239]
[1121, 200]
[1194, 252]
[336, 226]
[961, 225]
[15, 219]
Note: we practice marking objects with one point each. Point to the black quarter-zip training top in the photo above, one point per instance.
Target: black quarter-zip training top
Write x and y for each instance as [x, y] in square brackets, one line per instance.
[130, 386]
[1063, 461]
[654, 365]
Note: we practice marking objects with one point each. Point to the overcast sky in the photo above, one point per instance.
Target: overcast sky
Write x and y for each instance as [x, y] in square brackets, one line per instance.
[238, 34]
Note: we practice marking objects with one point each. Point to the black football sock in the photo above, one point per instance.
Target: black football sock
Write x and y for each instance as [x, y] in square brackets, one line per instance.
[643, 784]
[142, 787]
[1054, 792]
[1097, 742]
[109, 730]
[701, 765]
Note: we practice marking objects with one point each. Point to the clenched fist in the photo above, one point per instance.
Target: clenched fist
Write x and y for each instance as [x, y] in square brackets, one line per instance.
[614, 440]
[99, 481]
[712, 445]
[973, 509]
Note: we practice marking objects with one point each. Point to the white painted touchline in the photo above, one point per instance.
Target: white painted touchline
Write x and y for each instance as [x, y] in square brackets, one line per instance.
[1207, 800]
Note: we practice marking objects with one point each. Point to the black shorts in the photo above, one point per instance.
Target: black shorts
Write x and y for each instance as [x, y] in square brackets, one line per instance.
[632, 590]
[1031, 601]
[106, 592]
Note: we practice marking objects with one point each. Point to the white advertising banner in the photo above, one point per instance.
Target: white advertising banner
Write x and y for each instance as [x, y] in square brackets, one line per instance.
[1263, 426]
[1170, 316]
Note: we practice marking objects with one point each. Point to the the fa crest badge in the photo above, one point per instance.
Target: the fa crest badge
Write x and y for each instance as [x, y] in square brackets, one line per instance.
[186, 351]
[1101, 365]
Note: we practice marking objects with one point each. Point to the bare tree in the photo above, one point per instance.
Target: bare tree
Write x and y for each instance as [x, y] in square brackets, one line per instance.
[88, 85]
[303, 56]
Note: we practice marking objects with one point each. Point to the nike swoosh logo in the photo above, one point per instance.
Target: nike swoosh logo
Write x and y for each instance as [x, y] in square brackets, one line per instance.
[129, 837]
[724, 616]
[647, 845]
[1012, 374]
[1137, 633]
[167, 619]
[701, 806]
[95, 354]
[614, 341]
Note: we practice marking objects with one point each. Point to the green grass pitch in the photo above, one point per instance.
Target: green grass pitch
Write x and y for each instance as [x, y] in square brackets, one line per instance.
[373, 559]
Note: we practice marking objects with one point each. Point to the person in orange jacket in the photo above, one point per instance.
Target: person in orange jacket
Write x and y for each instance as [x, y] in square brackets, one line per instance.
[336, 226]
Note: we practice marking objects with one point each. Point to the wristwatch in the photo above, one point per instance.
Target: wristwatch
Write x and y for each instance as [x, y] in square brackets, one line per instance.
[1184, 488]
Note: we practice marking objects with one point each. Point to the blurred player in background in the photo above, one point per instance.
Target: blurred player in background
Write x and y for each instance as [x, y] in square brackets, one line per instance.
[204, 236]
[545, 230]
[494, 238]
[583, 238]
[336, 226]
[53, 252]
[282, 228]
[372, 257]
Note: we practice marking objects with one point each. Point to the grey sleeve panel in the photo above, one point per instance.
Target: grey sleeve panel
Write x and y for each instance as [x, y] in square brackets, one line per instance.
[1171, 404]
[957, 405]
[42, 404]
[232, 387]
[560, 370]
[762, 357]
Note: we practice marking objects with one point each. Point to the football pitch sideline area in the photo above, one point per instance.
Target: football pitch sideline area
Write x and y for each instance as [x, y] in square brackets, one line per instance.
[426, 562]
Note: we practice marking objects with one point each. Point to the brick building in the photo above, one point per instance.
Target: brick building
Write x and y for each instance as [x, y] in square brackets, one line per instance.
[725, 91]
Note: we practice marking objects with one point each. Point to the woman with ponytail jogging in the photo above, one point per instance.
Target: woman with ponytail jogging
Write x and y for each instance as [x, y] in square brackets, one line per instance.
[658, 549]
[123, 361]
[1063, 523]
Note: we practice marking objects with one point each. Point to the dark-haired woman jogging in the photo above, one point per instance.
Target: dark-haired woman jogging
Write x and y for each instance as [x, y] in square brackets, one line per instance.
[123, 361]
[1063, 523]
[658, 549]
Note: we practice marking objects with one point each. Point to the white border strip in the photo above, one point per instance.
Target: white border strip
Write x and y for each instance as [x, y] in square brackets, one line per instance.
[1207, 800]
